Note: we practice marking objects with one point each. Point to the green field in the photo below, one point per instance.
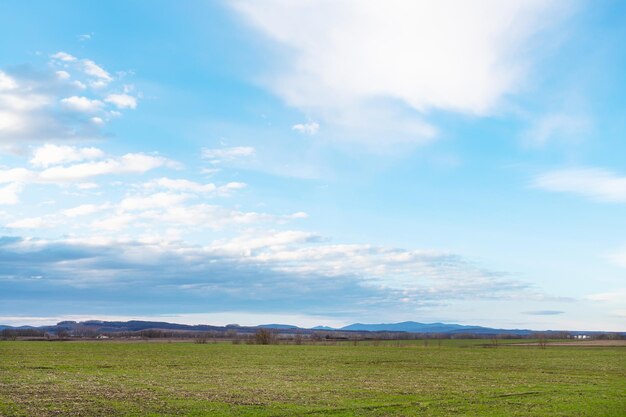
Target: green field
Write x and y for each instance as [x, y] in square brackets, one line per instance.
[457, 378]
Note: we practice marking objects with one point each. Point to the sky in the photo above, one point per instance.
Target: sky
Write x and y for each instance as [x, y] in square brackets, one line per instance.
[314, 162]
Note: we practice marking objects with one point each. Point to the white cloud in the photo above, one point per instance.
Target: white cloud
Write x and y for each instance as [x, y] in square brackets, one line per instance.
[19, 175]
[593, 183]
[210, 216]
[561, 126]
[50, 154]
[32, 102]
[30, 223]
[6, 82]
[87, 186]
[194, 187]
[80, 85]
[9, 194]
[64, 56]
[122, 101]
[299, 215]
[92, 69]
[618, 295]
[84, 37]
[84, 210]
[11, 122]
[244, 245]
[132, 163]
[82, 104]
[62, 75]
[115, 222]
[158, 200]
[233, 186]
[286, 261]
[310, 128]
[218, 155]
[418, 273]
[182, 185]
[348, 59]
[25, 101]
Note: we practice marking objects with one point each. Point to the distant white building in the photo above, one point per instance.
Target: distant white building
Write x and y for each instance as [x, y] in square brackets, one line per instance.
[581, 336]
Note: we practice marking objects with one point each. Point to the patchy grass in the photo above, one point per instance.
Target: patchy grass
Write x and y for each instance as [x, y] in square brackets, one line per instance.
[456, 378]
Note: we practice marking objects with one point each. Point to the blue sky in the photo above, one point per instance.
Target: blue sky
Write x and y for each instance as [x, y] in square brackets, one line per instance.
[314, 162]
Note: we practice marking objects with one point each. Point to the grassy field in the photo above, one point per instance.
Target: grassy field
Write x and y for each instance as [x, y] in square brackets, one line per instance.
[457, 378]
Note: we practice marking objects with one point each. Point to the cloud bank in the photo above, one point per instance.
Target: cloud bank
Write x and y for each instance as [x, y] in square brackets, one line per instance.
[379, 68]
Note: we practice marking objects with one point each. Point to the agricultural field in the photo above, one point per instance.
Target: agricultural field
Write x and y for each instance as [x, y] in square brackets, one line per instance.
[219, 379]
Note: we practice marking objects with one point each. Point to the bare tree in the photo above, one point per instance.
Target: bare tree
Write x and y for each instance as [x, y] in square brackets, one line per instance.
[494, 341]
[264, 337]
[543, 342]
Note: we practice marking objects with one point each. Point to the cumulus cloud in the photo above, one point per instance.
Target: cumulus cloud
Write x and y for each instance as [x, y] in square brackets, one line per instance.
[67, 100]
[32, 223]
[6, 82]
[122, 101]
[220, 277]
[63, 75]
[82, 104]
[346, 60]
[131, 163]
[164, 211]
[9, 194]
[192, 186]
[100, 77]
[96, 71]
[52, 157]
[50, 154]
[64, 56]
[247, 244]
[408, 270]
[217, 155]
[115, 222]
[594, 183]
[19, 175]
[158, 200]
[212, 216]
[84, 210]
[310, 128]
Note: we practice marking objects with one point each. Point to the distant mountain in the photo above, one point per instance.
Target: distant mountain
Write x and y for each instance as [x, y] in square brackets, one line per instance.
[137, 325]
[99, 326]
[415, 327]
[278, 326]
[2, 327]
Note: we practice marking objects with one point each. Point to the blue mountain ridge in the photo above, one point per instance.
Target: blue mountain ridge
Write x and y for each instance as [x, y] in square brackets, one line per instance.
[406, 326]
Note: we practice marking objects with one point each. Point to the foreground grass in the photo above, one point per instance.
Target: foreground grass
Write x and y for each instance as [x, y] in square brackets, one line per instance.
[104, 379]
